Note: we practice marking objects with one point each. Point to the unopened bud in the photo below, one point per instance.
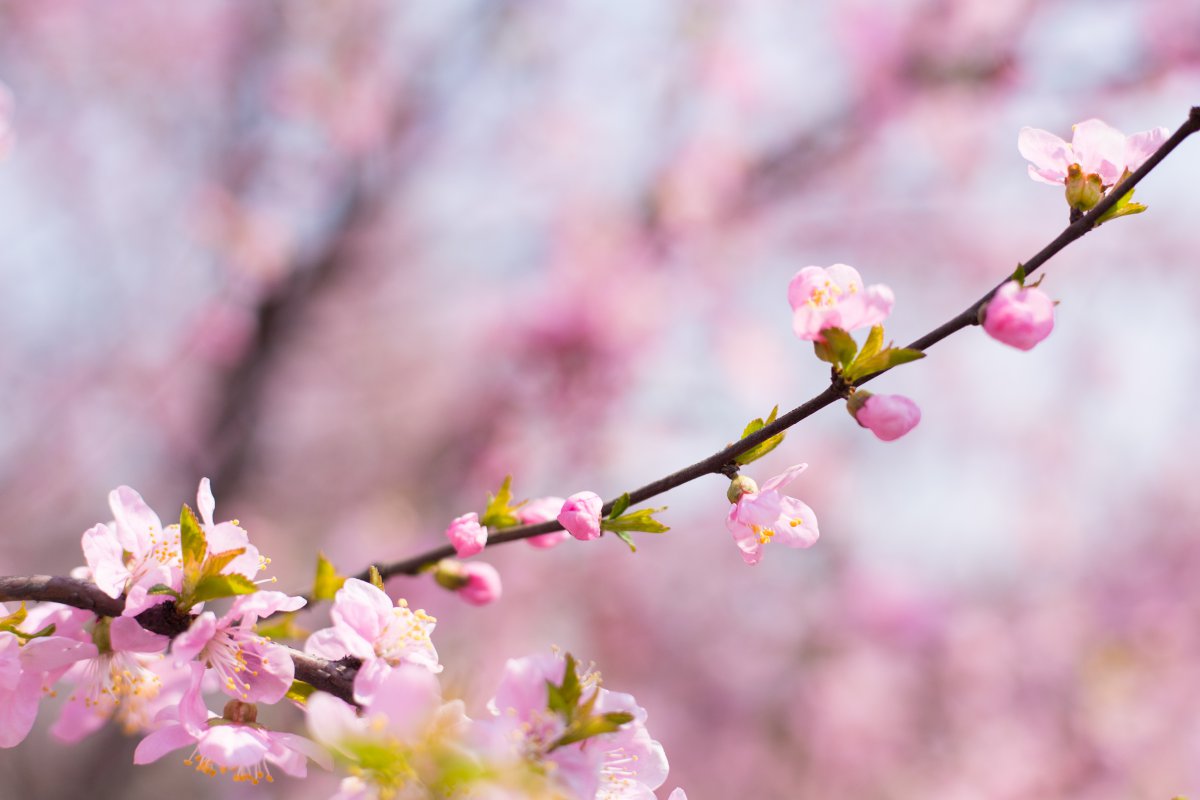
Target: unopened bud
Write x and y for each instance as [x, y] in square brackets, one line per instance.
[450, 574]
[739, 486]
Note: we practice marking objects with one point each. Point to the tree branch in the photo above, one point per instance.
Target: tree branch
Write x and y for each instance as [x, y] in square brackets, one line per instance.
[720, 460]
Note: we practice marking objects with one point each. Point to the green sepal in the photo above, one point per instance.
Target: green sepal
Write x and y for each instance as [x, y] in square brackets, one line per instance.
[374, 578]
[762, 448]
[46, 631]
[885, 359]
[619, 505]
[162, 588]
[838, 348]
[499, 512]
[212, 587]
[300, 692]
[1019, 275]
[872, 345]
[191, 541]
[640, 520]
[219, 561]
[327, 581]
[283, 628]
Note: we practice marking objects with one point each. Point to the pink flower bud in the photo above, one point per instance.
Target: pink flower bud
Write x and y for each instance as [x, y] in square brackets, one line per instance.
[1019, 317]
[467, 535]
[888, 416]
[580, 515]
[483, 584]
[542, 509]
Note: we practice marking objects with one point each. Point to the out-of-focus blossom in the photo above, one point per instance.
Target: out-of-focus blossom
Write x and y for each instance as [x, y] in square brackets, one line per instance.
[1095, 147]
[6, 128]
[368, 626]
[404, 739]
[888, 416]
[28, 666]
[482, 586]
[835, 297]
[762, 515]
[580, 515]
[237, 743]
[542, 509]
[1020, 317]
[625, 763]
[467, 535]
[677, 794]
[250, 668]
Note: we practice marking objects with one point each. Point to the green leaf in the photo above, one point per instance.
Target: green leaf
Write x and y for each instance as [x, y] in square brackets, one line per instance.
[327, 582]
[840, 345]
[162, 588]
[1019, 274]
[762, 448]
[212, 587]
[284, 627]
[563, 699]
[219, 561]
[627, 539]
[499, 512]
[590, 726]
[300, 692]
[191, 540]
[10, 622]
[46, 631]
[1123, 207]
[873, 344]
[884, 359]
[640, 520]
[619, 506]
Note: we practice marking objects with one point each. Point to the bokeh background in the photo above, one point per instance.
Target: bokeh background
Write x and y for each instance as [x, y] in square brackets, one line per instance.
[356, 262]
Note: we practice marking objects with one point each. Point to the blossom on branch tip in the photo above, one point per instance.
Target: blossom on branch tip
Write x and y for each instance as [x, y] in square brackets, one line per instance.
[1095, 159]
[1019, 317]
[835, 297]
[760, 515]
[467, 535]
[888, 416]
[580, 515]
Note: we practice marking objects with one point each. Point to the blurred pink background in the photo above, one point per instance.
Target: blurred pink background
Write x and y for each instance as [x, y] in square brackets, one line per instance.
[356, 262]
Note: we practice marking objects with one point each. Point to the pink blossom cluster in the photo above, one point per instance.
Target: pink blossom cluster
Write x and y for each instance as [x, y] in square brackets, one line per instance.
[399, 736]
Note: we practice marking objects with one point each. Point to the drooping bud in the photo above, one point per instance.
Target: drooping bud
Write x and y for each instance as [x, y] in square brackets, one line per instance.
[888, 416]
[1018, 317]
[450, 574]
[742, 484]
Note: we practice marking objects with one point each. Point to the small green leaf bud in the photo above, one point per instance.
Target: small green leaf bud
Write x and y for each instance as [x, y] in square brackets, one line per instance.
[739, 486]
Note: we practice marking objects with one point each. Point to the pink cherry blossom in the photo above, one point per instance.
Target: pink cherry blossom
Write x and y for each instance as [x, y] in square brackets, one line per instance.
[1096, 147]
[405, 717]
[835, 298]
[888, 416]
[133, 553]
[467, 535]
[368, 626]
[482, 586]
[580, 515]
[232, 743]
[1020, 317]
[250, 668]
[28, 667]
[626, 763]
[762, 516]
[543, 509]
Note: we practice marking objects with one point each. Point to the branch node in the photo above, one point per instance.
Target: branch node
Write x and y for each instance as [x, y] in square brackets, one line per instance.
[729, 469]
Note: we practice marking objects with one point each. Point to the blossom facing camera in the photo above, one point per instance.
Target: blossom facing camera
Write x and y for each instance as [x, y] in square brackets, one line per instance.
[467, 535]
[888, 416]
[580, 515]
[835, 298]
[1019, 317]
[758, 517]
